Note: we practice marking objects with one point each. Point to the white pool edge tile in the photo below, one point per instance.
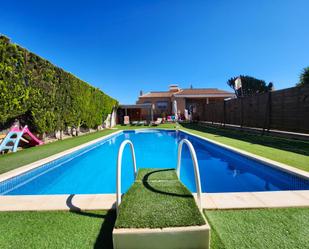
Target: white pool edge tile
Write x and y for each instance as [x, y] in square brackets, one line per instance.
[209, 201]
[248, 200]
[57, 202]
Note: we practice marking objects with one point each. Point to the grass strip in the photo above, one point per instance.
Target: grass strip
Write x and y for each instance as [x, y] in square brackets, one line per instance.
[259, 228]
[255, 228]
[150, 203]
[57, 229]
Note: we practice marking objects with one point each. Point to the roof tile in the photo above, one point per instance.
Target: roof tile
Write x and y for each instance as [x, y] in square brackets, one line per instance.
[194, 91]
[199, 91]
[157, 95]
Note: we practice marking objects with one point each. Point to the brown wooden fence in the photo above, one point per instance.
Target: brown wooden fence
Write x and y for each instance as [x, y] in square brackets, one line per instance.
[286, 110]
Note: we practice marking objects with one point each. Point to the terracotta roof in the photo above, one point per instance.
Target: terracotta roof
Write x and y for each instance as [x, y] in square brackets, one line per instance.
[194, 91]
[202, 91]
[157, 95]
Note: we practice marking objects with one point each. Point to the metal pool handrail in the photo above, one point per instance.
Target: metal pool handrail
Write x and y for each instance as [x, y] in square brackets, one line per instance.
[119, 163]
[195, 166]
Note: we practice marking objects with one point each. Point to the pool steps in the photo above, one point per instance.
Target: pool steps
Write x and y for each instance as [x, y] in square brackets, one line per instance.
[180, 146]
[135, 237]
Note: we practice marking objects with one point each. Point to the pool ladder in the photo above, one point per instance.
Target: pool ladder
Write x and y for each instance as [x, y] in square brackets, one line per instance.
[193, 157]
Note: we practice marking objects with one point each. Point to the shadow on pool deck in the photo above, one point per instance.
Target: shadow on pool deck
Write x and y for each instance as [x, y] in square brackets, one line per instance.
[105, 237]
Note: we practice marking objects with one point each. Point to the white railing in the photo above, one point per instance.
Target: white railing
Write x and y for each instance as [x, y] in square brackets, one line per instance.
[119, 163]
[195, 166]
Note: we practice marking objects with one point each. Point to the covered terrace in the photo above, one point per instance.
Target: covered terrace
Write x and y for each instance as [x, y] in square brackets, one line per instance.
[136, 112]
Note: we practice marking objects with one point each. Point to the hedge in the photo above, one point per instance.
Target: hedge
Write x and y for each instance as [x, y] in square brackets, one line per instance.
[45, 96]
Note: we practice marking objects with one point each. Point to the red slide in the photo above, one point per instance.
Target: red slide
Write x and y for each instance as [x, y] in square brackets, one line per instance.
[27, 134]
[33, 140]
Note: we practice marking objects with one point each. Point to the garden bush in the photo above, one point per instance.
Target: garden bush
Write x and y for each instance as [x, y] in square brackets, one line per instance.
[44, 96]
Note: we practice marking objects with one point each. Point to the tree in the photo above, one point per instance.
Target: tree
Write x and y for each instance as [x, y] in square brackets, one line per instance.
[304, 77]
[250, 86]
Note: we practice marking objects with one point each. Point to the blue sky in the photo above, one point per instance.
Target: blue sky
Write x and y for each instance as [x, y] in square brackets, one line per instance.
[123, 47]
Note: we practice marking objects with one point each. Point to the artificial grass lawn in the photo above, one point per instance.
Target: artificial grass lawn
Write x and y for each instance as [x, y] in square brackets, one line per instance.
[255, 228]
[14, 160]
[259, 228]
[148, 175]
[58, 229]
[289, 151]
[156, 200]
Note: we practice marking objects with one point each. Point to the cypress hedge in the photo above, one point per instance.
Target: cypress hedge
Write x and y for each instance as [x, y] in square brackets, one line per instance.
[45, 96]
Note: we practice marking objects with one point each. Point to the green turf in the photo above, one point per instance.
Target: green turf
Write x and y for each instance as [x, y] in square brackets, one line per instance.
[285, 228]
[289, 151]
[14, 160]
[256, 228]
[69, 230]
[156, 204]
[148, 175]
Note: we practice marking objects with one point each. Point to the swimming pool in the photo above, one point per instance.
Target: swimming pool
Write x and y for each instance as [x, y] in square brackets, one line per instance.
[92, 170]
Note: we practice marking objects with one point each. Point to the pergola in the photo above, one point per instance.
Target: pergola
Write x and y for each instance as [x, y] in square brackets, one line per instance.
[136, 112]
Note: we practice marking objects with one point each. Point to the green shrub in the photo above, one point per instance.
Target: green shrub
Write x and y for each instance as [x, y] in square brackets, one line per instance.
[46, 96]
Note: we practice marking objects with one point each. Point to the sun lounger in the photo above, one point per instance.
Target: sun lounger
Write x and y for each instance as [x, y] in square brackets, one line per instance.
[143, 122]
[159, 121]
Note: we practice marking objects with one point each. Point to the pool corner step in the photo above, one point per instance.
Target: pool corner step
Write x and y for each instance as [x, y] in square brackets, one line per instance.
[158, 211]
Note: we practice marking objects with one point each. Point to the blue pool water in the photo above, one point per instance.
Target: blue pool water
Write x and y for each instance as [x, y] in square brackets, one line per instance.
[93, 169]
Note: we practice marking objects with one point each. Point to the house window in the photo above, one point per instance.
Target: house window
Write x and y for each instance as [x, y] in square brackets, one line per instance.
[162, 105]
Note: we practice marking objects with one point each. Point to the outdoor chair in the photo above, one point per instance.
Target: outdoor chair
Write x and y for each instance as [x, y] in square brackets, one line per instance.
[126, 120]
[159, 121]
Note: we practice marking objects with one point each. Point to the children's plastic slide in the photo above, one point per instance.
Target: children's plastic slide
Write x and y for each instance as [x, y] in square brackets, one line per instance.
[11, 141]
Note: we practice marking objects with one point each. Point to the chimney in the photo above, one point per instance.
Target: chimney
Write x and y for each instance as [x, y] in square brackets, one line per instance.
[173, 88]
[140, 92]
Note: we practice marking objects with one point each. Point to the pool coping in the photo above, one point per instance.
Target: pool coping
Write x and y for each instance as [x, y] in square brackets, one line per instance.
[209, 201]
[233, 200]
[250, 200]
